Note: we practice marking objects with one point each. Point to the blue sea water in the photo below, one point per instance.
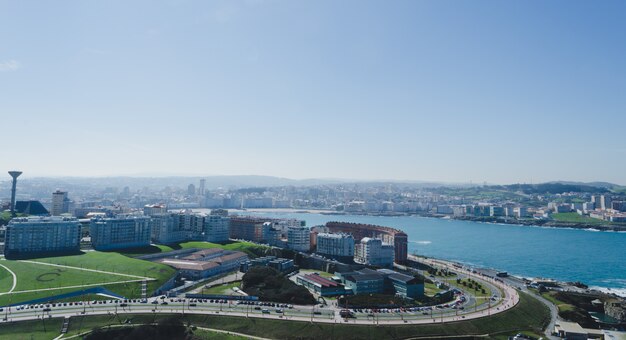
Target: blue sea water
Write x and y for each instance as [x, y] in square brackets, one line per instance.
[596, 258]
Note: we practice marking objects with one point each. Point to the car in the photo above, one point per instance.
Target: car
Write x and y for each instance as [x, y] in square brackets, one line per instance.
[278, 310]
[257, 308]
[164, 303]
[192, 305]
[47, 309]
[317, 312]
[155, 302]
[265, 311]
[124, 305]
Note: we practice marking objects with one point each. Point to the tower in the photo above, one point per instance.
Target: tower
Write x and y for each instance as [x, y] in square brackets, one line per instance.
[15, 175]
[60, 203]
[201, 189]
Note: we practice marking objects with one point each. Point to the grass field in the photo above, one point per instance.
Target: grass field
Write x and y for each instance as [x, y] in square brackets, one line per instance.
[247, 247]
[529, 316]
[34, 276]
[573, 217]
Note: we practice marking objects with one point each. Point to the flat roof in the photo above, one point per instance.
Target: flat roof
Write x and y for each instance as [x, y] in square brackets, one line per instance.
[321, 280]
[570, 327]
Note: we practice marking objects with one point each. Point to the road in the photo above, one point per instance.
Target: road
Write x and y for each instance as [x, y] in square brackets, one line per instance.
[520, 285]
[297, 313]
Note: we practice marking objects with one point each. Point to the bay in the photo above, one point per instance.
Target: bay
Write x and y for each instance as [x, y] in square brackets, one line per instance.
[595, 258]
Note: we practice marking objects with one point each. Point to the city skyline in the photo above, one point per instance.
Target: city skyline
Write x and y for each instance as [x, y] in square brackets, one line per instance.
[426, 91]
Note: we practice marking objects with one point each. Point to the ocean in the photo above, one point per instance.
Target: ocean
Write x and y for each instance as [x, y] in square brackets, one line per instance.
[595, 258]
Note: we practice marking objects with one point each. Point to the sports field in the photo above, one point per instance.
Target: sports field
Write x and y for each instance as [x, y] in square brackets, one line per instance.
[24, 280]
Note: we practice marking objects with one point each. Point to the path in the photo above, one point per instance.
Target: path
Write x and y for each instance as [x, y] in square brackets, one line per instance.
[14, 279]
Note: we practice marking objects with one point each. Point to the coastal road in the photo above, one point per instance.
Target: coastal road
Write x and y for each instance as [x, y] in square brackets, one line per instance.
[298, 313]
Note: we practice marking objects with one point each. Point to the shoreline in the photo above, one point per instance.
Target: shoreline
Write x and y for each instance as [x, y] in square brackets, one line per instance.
[521, 223]
[619, 291]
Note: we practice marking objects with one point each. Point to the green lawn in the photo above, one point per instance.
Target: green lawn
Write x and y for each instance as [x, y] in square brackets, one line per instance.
[430, 289]
[27, 330]
[573, 217]
[562, 306]
[247, 247]
[37, 276]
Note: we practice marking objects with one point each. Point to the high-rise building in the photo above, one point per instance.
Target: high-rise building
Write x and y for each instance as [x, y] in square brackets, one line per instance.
[299, 238]
[120, 232]
[605, 202]
[373, 252]
[42, 235]
[201, 188]
[338, 246]
[191, 190]
[249, 228]
[216, 227]
[60, 203]
[165, 229]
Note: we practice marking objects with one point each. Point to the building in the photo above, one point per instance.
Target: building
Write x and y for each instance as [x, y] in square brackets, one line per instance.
[605, 202]
[338, 246]
[320, 285]
[373, 252]
[120, 232]
[154, 209]
[249, 228]
[570, 330]
[398, 238]
[369, 281]
[31, 208]
[191, 190]
[520, 212]
[205, 263]
[299, 238]
[281, 264]
[496, 211]
[60, 203]
[192, 223]
[42, 235]
[402, 284]
[364, 281]
[166, 229]
[217, 227]
[201, 190]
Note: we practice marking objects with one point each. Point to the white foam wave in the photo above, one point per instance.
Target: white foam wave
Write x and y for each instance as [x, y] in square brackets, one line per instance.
[421, 242]
[617, 291]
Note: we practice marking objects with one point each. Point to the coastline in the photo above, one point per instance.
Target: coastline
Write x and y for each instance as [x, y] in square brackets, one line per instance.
[614, 285]
[490, 220]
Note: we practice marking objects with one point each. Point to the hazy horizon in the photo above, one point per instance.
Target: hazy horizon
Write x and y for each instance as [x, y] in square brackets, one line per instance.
[433, 91]
[321, 179]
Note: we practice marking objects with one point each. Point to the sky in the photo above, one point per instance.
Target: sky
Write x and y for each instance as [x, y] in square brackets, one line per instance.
[453, 91]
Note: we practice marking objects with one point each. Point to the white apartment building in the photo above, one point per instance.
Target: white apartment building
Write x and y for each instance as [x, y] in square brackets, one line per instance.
[42, 234]
[335, 245]
[373, 252]
[216, 228]
[120, 232]
[299, 238]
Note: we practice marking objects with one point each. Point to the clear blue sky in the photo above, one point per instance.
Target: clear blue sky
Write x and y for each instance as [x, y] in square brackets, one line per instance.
[497, 91]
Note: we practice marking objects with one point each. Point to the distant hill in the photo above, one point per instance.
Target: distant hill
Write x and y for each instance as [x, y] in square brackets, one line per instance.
[590, 184]
[554, 188]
